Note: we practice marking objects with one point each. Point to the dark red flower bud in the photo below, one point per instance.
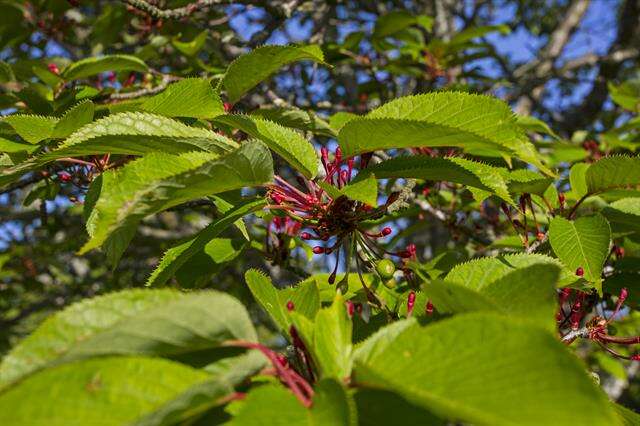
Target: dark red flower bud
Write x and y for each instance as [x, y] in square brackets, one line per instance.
[305, 236]
[411, 300]
[429, 308]
[561, 199]
[318, 250]
[623, 296]
[426, 190]
[53, 68]
[290, 306]
[386, 231]
[580, 271]
[635, 357]
[324, 153]
[277, 198]
[619, 251]
[350, 308]
[227, 106]
[64, 176]
[338, 156]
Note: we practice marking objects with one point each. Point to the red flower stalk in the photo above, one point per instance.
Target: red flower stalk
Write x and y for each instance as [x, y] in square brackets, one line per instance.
[289, 377]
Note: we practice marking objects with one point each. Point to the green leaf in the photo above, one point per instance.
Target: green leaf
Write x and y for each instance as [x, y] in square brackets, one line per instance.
[73, 119]
[624, 213]
[533, 124]
[104, 391]
[339, 119]
[92, 66]
[583, 243]
[297, 118]
[136, 133]
[248, 70]
[273, 404]
[133, 322]
[393, 22]
[527, 181]
[332, 340]
[191, 97]
[482, 272]
[627, 94]
[481, 369]
[528, 293]
[577, 179]
[613, 172]
[127, 134]
[455, 170]
[177, 256]
[160, 181]
[439, 119]
[12, 147]
[304, 296]
[188, 405]
[287, 143]
[380, 407]
[190, 48]
[364, 190]
[626, 416]
[32, 128]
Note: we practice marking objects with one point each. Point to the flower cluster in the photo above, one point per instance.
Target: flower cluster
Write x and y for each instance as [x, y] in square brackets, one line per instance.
[596, 328]
[336, 220]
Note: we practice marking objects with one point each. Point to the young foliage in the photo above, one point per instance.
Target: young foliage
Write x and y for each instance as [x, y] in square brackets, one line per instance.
[536, 380]
[91, 389]
[134, 322]
[583, 243]
[174, 258]
[287, 143]
[191, 97]
[159, 181]
[91, 66]
[471, 122]
[248, 70]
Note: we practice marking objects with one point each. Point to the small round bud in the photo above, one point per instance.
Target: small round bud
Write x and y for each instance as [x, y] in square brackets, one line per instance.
[540, 236]
[580, 271]
[428, 309]
[53, 68]
[390, 283]
[385, 268]
[290, 306]
[305, 236]
[318, 250]
[386, 231]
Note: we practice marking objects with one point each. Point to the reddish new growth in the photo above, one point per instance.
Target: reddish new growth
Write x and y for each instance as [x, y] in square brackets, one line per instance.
[596, 328]
[335, 219]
